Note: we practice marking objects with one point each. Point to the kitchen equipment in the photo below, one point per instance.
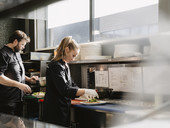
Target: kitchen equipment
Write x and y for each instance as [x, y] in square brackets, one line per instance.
[42, 81]
[90, 49]
[36, 56]
[127, 50]
[40, 56]
[104, 92]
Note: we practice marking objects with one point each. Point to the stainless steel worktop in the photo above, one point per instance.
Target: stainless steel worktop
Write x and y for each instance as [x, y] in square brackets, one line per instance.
[136, 103]
[8, 121]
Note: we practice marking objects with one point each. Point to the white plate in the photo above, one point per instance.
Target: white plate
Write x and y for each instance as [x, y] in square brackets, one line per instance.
[38, 96]
[93, 103]
[81, 98]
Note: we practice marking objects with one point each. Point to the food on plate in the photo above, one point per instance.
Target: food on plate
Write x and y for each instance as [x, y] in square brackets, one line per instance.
[92, 100]
[38, 94]
[93, 103]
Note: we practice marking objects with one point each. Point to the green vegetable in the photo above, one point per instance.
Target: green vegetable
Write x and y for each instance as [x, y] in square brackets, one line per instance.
[92, 100]
[38, 93]
[35, 93]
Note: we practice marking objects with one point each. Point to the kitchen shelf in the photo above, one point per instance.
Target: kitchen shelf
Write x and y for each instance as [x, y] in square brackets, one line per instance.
[115, 60]
[156, 60]
[32, 61]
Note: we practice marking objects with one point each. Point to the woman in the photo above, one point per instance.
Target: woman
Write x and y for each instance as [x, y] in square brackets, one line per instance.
[60, 88]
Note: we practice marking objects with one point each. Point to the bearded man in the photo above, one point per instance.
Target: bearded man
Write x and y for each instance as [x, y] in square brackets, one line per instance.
[12, 74]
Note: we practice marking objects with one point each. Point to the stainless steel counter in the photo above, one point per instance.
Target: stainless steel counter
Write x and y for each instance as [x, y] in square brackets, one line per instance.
[103, 115]
[113, 113]
[8, 121]
[134, 103]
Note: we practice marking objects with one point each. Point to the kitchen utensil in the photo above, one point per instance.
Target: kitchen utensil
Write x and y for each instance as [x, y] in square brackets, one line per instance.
[42, 81]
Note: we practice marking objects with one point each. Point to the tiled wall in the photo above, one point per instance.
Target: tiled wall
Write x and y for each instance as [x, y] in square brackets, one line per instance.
[7, 26]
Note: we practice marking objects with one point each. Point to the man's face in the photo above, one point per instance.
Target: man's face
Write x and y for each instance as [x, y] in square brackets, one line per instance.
[20, 46]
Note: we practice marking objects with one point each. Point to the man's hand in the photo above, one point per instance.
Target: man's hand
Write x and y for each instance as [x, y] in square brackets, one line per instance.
[12, 83]
[25, 88]
[33, 79]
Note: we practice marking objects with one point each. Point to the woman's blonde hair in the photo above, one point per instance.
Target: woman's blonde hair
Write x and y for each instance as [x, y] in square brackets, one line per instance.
[66, 42]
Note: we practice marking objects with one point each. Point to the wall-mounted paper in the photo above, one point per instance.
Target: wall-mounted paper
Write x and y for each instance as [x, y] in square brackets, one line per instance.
[125, 78]
[101, 79]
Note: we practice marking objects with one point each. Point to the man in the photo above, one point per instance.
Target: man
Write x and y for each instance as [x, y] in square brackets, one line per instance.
[12, 75]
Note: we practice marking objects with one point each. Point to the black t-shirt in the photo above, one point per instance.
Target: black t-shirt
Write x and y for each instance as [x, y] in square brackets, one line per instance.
[11, 66]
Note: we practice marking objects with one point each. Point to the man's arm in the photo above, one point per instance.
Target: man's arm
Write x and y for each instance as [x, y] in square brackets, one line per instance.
[32, 79]
[12, 83]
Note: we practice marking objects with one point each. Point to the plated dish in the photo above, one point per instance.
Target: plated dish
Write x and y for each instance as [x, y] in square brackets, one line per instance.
[81, 98]
[93, 103]
[38, 94]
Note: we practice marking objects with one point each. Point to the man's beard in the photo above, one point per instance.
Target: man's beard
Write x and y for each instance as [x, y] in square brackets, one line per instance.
[16, 48]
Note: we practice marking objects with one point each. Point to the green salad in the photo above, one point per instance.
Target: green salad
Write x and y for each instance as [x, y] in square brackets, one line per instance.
[38, 93]
[92, 100]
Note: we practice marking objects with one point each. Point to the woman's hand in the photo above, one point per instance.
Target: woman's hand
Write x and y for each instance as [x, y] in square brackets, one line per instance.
[90, 94]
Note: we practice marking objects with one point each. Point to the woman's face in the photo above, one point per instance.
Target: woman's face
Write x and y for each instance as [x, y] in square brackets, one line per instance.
[70, 54]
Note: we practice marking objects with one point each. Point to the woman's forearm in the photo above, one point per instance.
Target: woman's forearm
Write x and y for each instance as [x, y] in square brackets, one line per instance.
[80, 92]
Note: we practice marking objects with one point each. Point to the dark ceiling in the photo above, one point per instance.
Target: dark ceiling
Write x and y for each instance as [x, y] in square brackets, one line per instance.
[13, 7]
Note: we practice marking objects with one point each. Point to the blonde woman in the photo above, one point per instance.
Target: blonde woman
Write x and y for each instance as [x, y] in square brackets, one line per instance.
[60, 88]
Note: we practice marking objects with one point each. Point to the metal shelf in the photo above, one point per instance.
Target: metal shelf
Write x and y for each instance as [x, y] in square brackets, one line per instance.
[115, 60]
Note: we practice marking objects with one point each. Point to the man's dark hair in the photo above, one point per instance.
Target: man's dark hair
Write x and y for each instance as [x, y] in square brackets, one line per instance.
[19, 35]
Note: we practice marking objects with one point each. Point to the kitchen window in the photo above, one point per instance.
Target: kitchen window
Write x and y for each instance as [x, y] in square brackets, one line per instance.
[64, 18]
[123, 18]
[95, 20]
